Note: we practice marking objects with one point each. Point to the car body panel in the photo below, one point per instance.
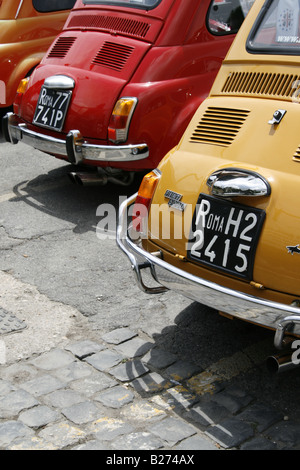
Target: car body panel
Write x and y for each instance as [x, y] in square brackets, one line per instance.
[25, 36]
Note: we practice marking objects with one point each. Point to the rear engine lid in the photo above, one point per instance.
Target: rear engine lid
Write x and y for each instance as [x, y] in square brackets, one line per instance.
[100, 66]
[262, 229]
[98, 53]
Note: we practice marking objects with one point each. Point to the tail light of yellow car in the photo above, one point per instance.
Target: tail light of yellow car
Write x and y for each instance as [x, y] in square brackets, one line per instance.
[143, 200]
[120, 119]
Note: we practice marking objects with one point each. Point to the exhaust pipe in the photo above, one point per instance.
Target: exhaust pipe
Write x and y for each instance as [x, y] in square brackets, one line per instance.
[102, 178]
[281, 363]
[83, 179]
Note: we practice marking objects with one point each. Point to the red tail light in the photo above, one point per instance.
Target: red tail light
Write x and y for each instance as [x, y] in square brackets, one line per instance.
[120, 119]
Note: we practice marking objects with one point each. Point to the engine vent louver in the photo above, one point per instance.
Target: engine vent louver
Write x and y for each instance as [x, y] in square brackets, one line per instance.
[219, 126]
[110, 23]
[262, 84]
[113, 56]
[296, 156]
[61, 47]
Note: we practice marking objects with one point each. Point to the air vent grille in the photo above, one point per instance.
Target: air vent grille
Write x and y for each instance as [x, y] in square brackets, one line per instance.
[61, 47]
[265, 84]
[219, 126]
[296, 156]
[113, 56]
[110, 23]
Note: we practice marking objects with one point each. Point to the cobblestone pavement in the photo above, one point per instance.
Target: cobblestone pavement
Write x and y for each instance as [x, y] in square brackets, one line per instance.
[121, 393]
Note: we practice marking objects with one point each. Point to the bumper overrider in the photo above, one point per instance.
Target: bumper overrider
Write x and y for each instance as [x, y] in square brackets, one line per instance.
[284, 319]
[73, 148]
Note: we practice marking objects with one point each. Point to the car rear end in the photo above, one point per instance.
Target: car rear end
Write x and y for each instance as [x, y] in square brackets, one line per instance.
[80, 79]
[224, 224]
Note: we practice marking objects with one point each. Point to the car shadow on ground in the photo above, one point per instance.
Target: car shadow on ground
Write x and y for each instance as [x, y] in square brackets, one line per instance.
[210, 369]
[57, 194]
[85, 207]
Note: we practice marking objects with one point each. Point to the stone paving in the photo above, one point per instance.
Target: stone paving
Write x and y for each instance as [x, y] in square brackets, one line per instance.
[122, 393]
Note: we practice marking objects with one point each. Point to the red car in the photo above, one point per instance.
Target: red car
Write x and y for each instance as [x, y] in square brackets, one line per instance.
[119, 85]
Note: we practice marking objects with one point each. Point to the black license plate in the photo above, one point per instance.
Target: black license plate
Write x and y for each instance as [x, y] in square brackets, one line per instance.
[224, 235]
[51, 108]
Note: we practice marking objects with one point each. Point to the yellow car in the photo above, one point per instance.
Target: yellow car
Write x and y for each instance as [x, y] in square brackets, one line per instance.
[218, 221]
[27, 28]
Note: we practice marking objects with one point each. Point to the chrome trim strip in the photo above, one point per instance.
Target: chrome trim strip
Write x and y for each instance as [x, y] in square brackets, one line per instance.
[243, 306]
[19, 8]
[78, 151]
[116, 153]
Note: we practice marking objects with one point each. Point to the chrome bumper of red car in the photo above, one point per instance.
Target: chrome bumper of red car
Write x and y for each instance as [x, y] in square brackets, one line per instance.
[74, 148]
[279, 317]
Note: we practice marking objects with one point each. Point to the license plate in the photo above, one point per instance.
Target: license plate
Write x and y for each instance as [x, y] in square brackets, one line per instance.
[224, 235]
[51, 108]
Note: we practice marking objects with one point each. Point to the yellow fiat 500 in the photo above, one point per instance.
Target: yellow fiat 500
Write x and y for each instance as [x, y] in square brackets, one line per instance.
[218, 221]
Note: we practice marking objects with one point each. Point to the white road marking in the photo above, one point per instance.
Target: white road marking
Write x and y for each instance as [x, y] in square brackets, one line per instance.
[26, 191]
[7, 197]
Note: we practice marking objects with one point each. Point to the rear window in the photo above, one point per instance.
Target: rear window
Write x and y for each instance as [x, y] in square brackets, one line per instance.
[226, 16]
[276, 30]
[145, 4]
[46, 6]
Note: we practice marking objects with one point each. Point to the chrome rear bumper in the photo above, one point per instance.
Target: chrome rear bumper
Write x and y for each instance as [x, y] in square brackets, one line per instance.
[279, 317]
[74, 148]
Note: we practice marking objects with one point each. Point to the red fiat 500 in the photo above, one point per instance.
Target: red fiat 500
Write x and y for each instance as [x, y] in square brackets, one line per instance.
[119, 85]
